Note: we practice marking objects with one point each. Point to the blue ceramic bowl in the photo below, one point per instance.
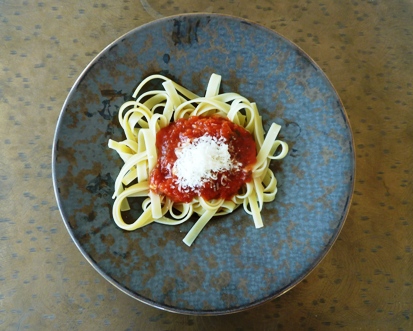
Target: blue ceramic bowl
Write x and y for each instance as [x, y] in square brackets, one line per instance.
[232, 265]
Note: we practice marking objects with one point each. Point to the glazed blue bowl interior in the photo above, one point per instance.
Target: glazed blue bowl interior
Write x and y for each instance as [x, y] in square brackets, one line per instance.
[232, 265]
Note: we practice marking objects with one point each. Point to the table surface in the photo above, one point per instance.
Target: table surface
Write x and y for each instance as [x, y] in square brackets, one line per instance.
[366, 280]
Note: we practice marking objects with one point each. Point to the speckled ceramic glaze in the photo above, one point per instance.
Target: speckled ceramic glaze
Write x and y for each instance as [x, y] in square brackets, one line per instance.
[232, 265]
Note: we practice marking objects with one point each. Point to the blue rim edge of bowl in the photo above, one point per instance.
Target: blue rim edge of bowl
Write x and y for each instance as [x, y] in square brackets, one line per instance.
[147, 301]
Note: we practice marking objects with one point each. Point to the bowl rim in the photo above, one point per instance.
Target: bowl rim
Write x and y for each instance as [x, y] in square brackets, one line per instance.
[119, 286]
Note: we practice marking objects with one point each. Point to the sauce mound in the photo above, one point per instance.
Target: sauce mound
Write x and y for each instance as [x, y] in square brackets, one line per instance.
[210, 157]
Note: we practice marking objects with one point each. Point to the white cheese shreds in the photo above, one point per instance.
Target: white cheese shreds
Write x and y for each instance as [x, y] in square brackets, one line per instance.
[199, 161]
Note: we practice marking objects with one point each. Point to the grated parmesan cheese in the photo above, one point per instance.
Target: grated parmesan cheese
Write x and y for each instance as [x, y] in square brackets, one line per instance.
[199, 161]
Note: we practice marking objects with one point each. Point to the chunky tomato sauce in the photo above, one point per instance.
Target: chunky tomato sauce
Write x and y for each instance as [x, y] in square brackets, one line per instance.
[241, 146]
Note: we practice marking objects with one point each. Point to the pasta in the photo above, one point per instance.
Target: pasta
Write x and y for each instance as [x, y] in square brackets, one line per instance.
[142, 118]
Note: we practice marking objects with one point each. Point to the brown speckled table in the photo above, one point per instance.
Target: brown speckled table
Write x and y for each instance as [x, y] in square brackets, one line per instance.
[365, 282]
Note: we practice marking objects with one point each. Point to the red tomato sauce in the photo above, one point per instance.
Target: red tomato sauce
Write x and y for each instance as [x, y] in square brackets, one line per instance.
[241, 146]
